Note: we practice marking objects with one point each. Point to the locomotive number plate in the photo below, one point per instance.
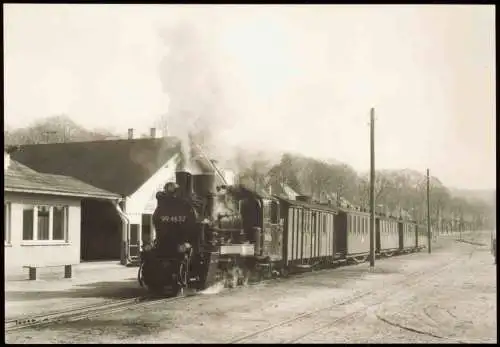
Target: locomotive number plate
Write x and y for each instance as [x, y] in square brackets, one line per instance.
[173, 219]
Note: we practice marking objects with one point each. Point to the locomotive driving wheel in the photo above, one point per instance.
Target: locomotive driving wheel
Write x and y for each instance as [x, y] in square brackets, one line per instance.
[140, 275]
[285, 272]
[245, 278]
[231, 278]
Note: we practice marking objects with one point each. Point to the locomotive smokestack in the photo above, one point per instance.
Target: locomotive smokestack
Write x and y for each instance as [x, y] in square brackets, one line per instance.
[204, 187]
[185, 181]
[204, 184]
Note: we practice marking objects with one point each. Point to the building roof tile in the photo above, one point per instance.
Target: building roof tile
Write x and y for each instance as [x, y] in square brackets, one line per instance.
[20, 178]
[118, 166]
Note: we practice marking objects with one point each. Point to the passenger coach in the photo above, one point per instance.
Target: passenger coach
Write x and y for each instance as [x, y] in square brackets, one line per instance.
[408, 235]
[355, 229]
[387, 235]
[310, 236]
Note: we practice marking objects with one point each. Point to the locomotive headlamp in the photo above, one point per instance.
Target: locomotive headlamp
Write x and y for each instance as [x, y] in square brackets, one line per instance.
[170, 187]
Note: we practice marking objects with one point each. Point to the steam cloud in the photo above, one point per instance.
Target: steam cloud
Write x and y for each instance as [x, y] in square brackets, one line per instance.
[192, 81]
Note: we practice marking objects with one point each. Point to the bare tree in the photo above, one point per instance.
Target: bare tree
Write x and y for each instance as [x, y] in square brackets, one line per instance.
[56, 129]
[383, 185]
[255, 176]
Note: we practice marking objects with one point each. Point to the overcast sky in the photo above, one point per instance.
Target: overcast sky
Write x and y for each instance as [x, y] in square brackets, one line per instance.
[299, 78]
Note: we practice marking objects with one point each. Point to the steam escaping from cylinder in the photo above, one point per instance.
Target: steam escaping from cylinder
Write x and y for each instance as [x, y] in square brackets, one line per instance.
[216, 288]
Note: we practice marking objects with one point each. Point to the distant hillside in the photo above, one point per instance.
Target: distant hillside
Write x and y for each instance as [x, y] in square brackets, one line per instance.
[486, 195]
[53, 129]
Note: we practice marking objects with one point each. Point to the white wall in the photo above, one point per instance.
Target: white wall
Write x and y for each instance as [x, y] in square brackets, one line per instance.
[143, 201]
[19, 253]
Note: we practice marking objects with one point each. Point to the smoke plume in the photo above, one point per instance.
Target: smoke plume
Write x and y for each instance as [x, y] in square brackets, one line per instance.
[192, 80]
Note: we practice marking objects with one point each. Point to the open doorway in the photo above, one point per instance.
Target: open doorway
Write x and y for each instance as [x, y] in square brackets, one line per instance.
[100, 231]
[147, 229]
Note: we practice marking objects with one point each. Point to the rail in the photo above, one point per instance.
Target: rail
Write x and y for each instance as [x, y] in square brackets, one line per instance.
[85, 312]
[414, 278]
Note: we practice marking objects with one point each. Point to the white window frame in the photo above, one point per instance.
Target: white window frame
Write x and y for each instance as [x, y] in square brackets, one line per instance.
[7, 224]
[50, 241]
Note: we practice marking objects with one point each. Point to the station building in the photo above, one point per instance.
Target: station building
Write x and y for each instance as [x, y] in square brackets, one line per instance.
[42, 216]
[133, 169]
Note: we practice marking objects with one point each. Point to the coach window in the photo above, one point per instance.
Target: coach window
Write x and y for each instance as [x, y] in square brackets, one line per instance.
[314, 223]
[274, 212]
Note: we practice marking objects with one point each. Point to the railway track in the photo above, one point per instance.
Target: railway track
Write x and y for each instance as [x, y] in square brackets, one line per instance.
[95, 310]
[85, 312]
[321, 323]
[125, 304]
[439, 335]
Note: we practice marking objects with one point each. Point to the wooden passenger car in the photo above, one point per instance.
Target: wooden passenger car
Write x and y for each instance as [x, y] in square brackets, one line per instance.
[355, 226]
[309, 233]
[387, 235]
[408, 235]
[422, 238]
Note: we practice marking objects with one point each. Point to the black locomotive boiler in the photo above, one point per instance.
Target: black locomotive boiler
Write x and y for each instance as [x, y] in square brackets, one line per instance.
[205, 234]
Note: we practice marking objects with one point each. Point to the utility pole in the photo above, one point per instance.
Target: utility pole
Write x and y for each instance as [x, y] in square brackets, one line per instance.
[429, 235]
[460, 223]
[372, 188]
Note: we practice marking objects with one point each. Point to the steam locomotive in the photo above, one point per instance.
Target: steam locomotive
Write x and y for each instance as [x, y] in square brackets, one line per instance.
[208, 234]
[217, 231]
